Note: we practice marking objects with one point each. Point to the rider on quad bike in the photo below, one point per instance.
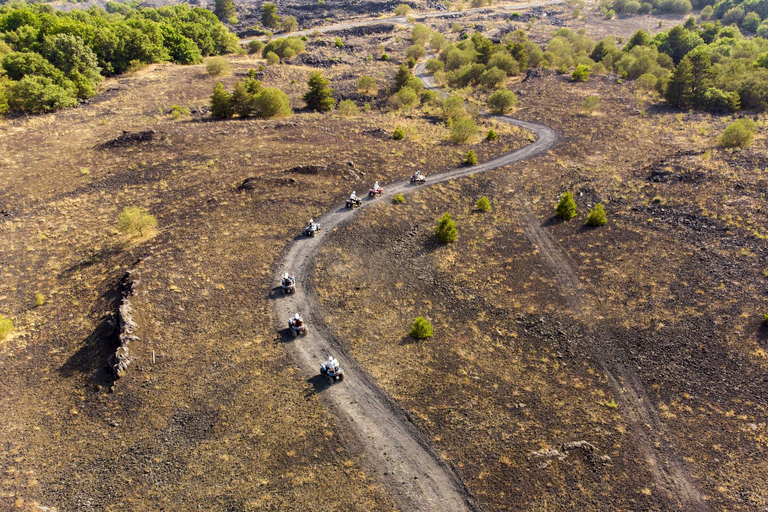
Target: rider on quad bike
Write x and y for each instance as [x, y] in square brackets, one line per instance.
[332, 371]
[297, 326]
[312, 228]
[376, 190]
[353, 201]
[288, 284]
[418, 178]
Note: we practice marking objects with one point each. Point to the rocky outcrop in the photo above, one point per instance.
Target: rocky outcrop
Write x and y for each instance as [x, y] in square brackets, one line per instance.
[121, 360]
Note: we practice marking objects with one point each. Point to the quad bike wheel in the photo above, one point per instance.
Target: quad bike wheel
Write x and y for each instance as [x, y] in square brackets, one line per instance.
[328, 379]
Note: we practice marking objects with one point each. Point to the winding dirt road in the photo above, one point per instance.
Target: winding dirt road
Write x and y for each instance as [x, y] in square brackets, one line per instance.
[417, 477]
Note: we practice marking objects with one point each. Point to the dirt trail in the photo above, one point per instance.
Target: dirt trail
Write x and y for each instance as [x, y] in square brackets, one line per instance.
[405, 462]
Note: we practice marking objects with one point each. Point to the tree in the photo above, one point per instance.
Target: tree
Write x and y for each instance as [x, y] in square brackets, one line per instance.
[462, 130]
[566, 208]
[320, 96]
[221, 102]
[680, 86]
[446, 230]
[493, 78]
[348, 108]
[470, 158]
[271, 103]
[367, 85]
[421, 329]
[501, 101]
[738, 134]
[39, 94]
[136, 220]
[492, 135]
[407, 98]
[224, 10]
[416, 52]
[483, 204]
[269, 17]
[453, 108]
[597, 216]
[289, 24]
[404, 78]
[398, 134]
[581, 73]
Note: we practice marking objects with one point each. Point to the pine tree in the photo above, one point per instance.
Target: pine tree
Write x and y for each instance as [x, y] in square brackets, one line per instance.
[269, 17]
[566, 208]
[224, 10]
[320, 96]
[446, 230]
[597, 216]
[221, 102]
[680, 87]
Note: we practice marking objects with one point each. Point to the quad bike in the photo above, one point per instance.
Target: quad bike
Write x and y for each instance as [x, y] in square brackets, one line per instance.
[353, 203]
[311, 229]
[288, 286]
[297, 329]
[374, 193]
[418, 179]
[332, 373]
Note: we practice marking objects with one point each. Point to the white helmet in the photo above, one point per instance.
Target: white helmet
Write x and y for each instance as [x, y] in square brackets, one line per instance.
[286, 275]
[353, 192]
[311, 221]
[296, 317]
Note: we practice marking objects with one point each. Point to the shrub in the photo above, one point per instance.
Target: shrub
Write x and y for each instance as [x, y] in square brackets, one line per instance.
[348, 108]
[420, 34]
[255, 47]
[416, 52]
[398, 199]
[320, 96]
[271, 103]
[738, 134]
[6, 327]
[289, 24]
[337, 42]
[177, 112]
[493, 78]
[501, 101]
[581, 73]
[446, 230]
[483, 204]
[597, 216]
[462, 130]
[398, 134]
[411, 62]
[367, 85]
[407, 98]
[492, 135]
[402, 10]
[470, 158]
[590, 104]
[421, 329]
[384, 56]
[39, 299]
[566, 208]
[272, 58]
[434, 65]
[453, 108]
[218, 66]
[136, 220]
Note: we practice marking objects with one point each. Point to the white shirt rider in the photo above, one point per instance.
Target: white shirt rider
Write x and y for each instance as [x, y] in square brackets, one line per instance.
[352, 196]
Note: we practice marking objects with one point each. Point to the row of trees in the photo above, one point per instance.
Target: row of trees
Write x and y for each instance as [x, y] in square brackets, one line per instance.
[50, 59]
[249, 98]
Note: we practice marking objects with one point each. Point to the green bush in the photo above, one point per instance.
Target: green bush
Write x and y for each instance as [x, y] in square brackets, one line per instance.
[221, 102]
[446, 230]
[398, 199]
[416, 52]
[566, 208]
[502, 101]
[255, 47]
[348, 108]
[398, 134]
[434, 65]
[271, 103]
[289, 24]
[337, 42]
[483, 204]
[407, 98]
[136, 221]
[6, 327]
[39, 299]
[421, 329]
[285, 47]
[177, 112]
[384, 56]
[597, 216]
[320, 95]
[367, 85]
[470, 158]
[402, 10]
[738, 134]
[218, 66]
[590, 104]
[492, 135]
[581, 73]
[462, 130]
[272, 58]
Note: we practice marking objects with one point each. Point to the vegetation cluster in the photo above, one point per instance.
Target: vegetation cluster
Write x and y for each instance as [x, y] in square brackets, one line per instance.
[50, 59]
